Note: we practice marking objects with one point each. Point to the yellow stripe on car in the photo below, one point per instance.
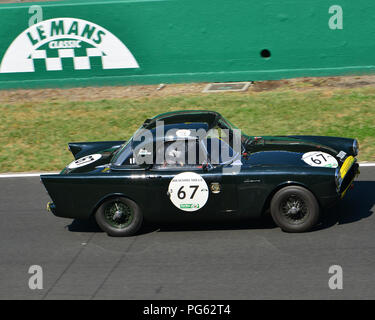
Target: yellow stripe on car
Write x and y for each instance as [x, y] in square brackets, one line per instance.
[346, 166]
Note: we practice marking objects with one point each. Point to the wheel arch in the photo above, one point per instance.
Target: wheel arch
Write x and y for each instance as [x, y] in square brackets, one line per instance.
[108, 197]
[282, 185]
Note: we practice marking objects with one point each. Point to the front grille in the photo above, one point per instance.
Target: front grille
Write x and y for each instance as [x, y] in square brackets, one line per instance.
[349, 177]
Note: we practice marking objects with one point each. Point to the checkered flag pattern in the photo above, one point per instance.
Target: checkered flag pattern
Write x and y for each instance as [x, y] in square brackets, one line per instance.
[56, 63]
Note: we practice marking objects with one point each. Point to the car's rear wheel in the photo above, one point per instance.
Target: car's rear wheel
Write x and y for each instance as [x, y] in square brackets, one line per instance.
[119, 217]
[294, 209]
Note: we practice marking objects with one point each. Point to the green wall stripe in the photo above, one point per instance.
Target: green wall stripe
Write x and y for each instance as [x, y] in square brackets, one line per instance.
[191, 40]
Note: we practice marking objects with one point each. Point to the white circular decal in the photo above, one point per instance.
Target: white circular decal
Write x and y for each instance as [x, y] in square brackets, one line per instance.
[320, 159]
[84, 161]
[183, 133]
[65, 36]
[188, 191]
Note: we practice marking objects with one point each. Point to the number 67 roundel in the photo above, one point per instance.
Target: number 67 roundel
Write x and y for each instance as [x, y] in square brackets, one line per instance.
[320, 159]
[188, 191]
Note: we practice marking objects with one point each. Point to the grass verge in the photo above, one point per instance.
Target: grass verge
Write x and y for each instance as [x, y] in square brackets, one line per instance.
[34, 135]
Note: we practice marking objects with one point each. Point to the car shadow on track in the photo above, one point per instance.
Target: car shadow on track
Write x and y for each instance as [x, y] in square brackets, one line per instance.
[78, 225]
[358, 204]
[264, 223]
[91, 226]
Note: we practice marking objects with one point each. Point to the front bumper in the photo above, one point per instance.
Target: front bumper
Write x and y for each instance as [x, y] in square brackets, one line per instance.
[346, 175]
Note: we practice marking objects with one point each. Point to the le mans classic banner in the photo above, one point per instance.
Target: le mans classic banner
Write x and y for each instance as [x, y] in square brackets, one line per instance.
[78, 43]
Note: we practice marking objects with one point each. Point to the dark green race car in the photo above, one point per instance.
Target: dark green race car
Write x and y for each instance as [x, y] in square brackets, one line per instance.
[196, 166]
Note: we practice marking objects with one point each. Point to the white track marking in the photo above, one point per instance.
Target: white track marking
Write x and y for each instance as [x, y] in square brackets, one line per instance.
[24, 175]
[367, 164]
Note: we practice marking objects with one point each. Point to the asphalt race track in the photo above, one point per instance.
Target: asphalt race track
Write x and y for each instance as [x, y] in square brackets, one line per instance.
[254, 260]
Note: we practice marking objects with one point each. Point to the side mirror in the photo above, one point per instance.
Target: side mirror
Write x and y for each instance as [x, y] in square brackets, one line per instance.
[147, 166]
[206, 166]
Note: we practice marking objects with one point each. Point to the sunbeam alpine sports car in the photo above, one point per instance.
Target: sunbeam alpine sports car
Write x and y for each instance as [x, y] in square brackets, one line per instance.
[196, 166]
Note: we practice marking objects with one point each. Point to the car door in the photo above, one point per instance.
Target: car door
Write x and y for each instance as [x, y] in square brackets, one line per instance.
[193, 191]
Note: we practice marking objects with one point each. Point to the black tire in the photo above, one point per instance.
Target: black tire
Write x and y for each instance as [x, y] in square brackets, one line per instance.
[119, 217]
[295, 209]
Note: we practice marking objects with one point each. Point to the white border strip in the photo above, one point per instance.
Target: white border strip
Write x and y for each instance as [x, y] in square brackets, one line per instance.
[24, 175]
[367, 164]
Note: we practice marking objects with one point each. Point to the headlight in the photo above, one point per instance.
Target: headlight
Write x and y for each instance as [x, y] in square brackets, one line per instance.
[355, 147]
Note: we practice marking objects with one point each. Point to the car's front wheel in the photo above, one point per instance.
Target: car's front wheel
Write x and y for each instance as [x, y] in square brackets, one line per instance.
[119, 217]
[294, 209]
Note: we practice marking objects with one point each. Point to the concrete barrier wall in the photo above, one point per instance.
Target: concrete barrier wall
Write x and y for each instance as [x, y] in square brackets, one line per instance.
[79, 43]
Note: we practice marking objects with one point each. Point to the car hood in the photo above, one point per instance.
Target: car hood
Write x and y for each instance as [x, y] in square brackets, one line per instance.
[331, 145]
[289, 150]
[276, 158]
